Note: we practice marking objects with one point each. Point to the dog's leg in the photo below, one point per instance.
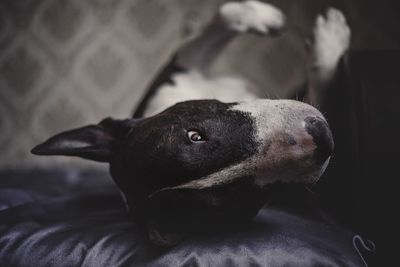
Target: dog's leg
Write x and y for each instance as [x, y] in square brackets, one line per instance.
[331, 40]
[174, 84]
[232, 19]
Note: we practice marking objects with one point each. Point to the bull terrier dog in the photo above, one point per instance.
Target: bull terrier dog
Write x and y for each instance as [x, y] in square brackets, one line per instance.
[203, 152]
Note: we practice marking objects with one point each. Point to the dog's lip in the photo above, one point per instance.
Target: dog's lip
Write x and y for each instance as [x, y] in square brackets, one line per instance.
[197, 184]
[189, 185]
[325, 165]
[322, 169]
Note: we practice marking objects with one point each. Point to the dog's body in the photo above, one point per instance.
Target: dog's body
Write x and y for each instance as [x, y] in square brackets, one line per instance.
[205, 162]
[188, 73]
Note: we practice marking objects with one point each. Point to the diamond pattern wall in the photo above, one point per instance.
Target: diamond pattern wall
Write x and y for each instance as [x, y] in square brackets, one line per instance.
[68, 63]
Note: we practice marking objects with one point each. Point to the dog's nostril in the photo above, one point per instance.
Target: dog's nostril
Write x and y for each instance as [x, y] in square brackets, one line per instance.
[311, 120]
[290, 140]
[318, 128]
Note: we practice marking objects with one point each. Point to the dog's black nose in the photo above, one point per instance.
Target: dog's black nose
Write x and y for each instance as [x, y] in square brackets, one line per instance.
[322, 136]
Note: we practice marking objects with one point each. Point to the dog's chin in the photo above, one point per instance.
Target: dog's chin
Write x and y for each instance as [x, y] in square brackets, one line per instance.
[177, 211]
[268, 178]
[289, 188]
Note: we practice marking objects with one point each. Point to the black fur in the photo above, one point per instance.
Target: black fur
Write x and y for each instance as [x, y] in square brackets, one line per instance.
[160, 149]
[150, 154]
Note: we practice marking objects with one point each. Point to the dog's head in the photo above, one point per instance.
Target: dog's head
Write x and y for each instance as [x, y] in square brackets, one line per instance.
[204, 158]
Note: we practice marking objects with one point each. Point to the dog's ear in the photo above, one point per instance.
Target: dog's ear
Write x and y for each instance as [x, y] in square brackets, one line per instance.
[95, 142]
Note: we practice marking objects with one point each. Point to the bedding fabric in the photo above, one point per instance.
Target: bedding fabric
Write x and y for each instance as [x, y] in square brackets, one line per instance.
[79, 219]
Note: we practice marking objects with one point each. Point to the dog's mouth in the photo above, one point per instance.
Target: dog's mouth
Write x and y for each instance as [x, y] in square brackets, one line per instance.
[259, 179]
[213, 201]
[216, 187]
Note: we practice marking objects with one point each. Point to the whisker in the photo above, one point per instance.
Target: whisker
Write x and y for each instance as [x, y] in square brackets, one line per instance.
[276, 95]
[266, 94]
[309, 189]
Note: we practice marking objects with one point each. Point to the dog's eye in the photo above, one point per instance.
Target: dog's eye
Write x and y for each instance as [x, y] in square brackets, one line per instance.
[195, 136]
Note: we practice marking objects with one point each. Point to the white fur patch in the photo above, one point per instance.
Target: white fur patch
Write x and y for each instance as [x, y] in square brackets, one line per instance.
[277, 116]
[193, 85]
[252, 16]
[331, 39]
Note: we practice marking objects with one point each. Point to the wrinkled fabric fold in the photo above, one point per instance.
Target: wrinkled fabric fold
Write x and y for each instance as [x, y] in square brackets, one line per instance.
[92, 228]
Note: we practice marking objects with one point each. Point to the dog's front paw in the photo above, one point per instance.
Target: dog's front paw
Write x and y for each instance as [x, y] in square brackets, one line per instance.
[252, 16]
[331, 38]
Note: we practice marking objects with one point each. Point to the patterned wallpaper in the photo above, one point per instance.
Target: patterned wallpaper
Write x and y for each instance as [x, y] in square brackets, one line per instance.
[66, 63]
